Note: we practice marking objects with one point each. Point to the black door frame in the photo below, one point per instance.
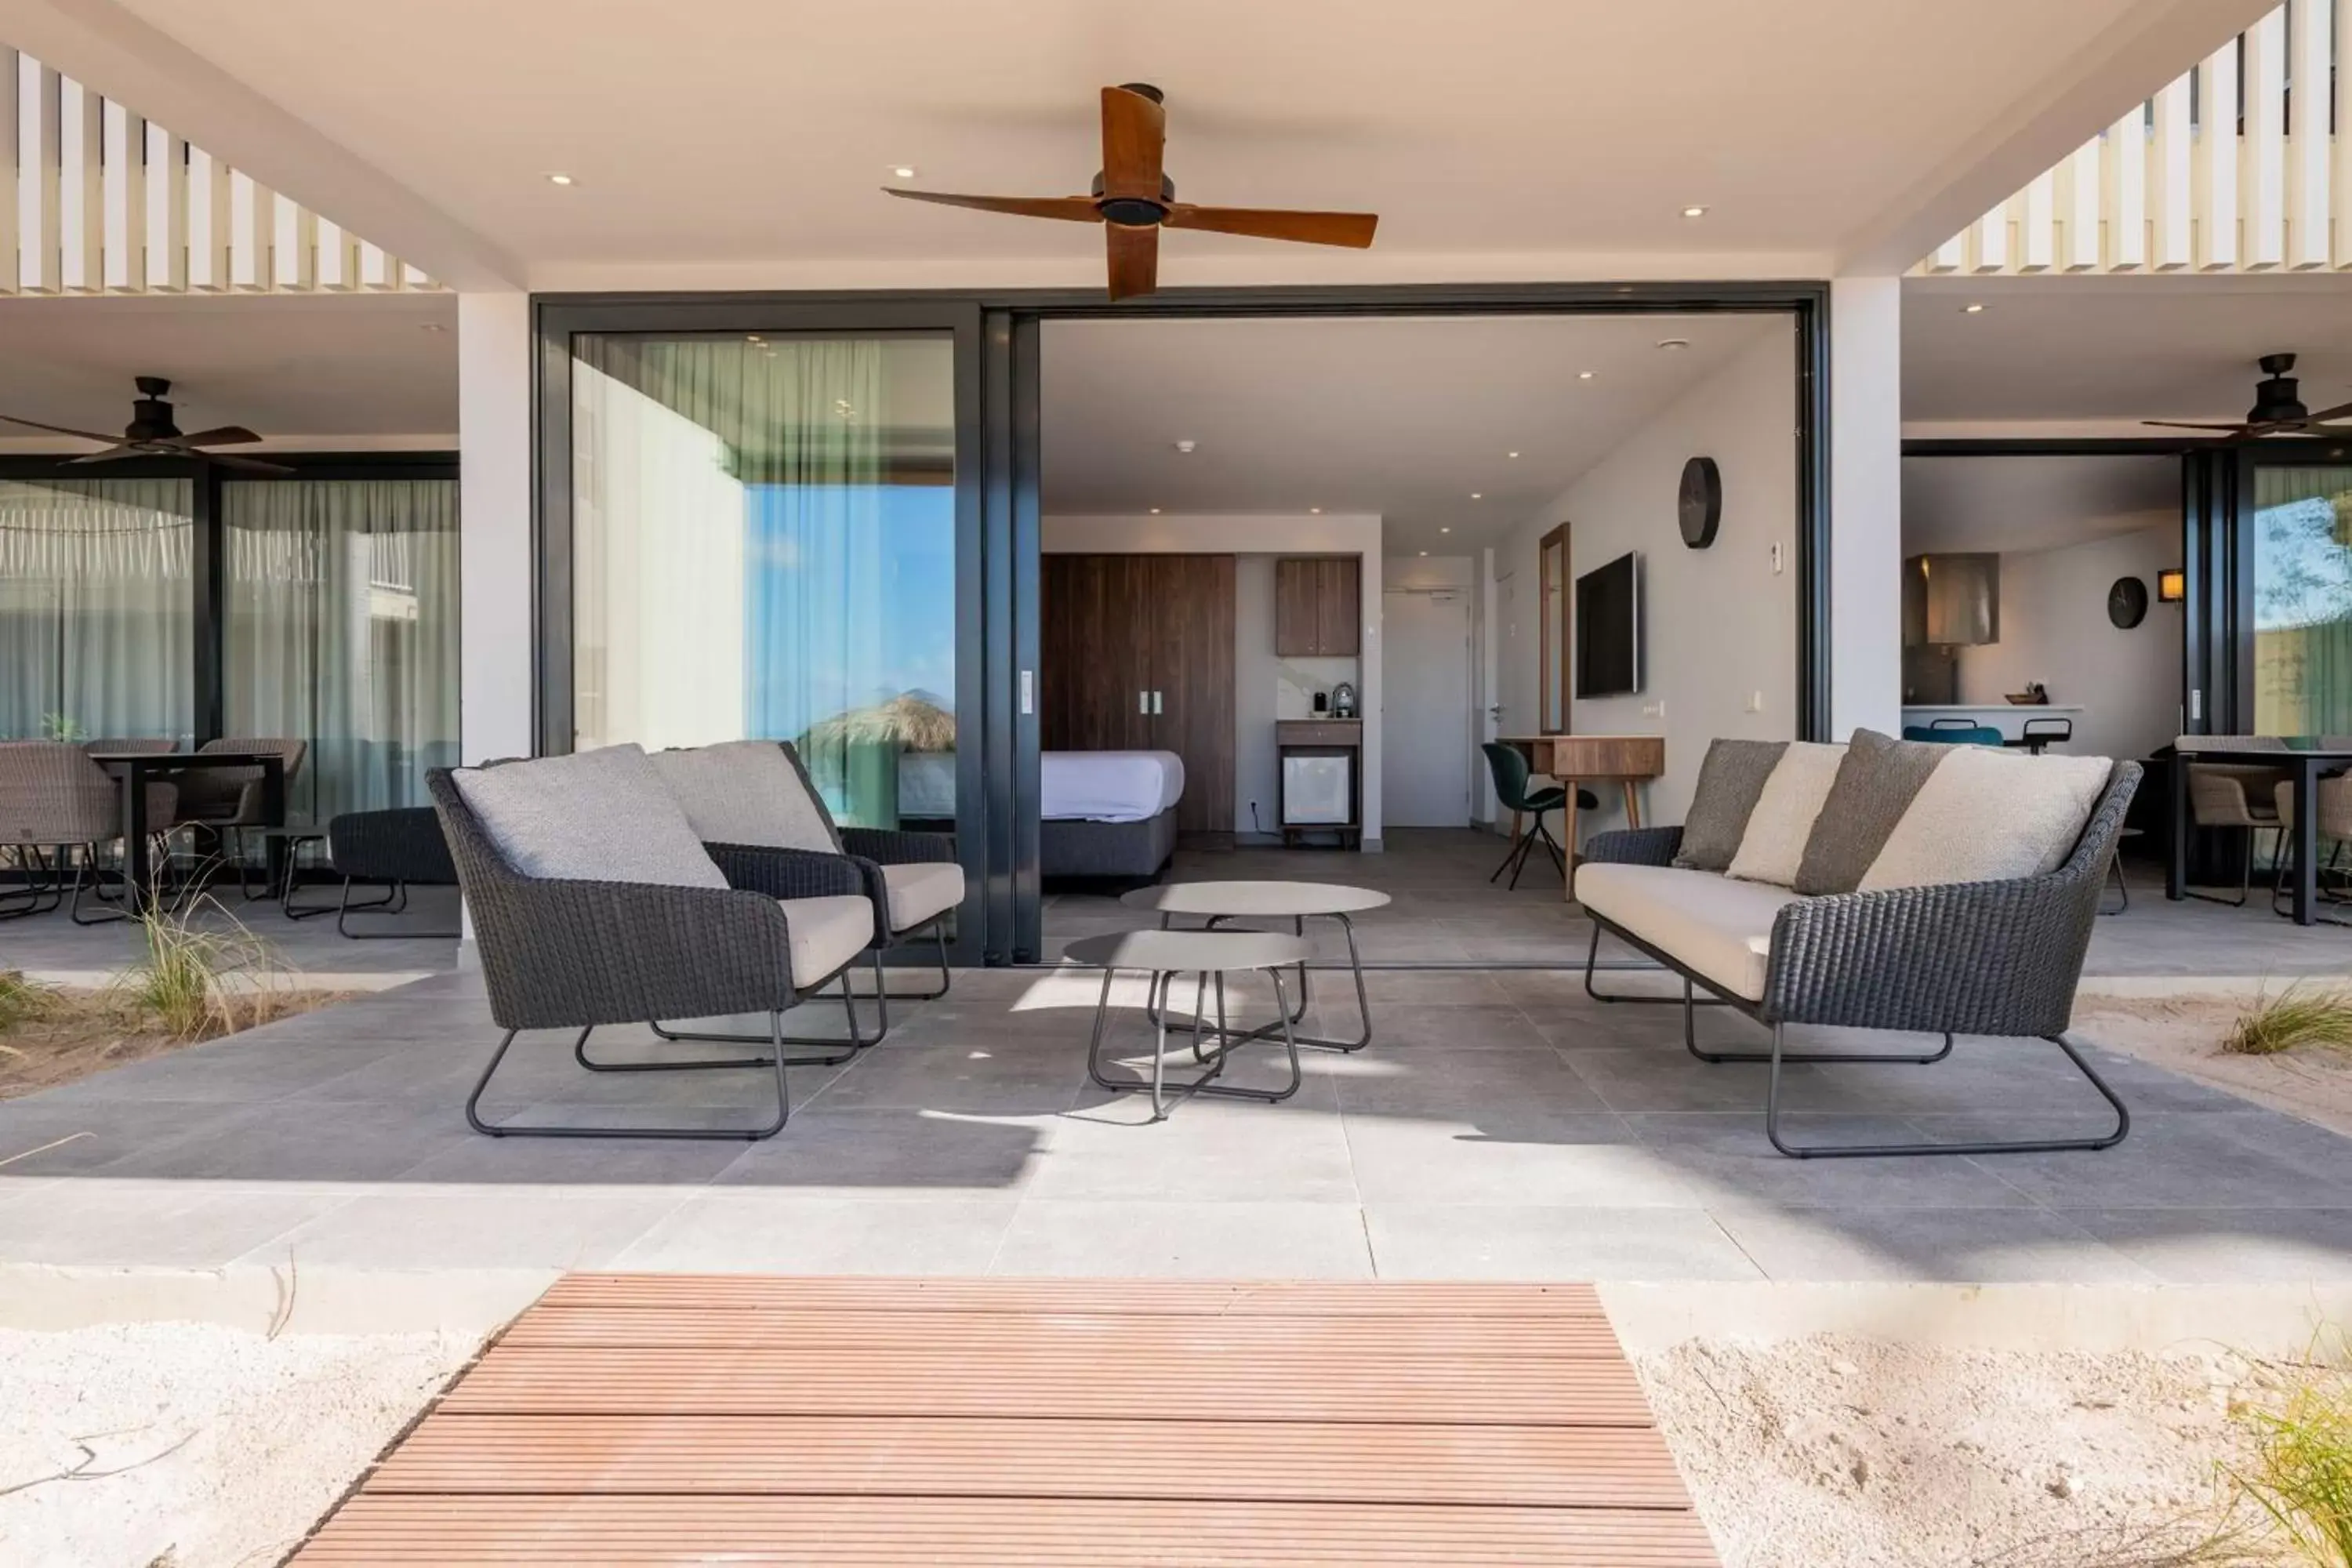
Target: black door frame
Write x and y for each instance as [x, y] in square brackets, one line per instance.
[997, 335]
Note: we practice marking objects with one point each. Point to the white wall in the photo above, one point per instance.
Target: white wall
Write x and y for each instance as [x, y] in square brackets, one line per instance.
[495, 561]
[1256, 671]
[1865, 479]
[2054, 629]
[1719, 626]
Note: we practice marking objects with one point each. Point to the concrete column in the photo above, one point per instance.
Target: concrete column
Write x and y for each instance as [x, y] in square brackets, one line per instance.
[1865, 505]
[494, 439]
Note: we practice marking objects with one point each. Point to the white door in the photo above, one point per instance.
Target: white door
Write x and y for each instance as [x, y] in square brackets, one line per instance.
[1425, 718]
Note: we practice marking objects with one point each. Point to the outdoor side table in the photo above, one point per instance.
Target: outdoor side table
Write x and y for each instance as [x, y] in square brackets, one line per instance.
[1220, 903]
[1209, 956]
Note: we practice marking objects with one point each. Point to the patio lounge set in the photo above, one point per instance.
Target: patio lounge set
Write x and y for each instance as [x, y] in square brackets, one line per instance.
[1882, 885]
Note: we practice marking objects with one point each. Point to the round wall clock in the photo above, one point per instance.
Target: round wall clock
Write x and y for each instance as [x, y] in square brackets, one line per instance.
[1702, 502]
[2127, 602]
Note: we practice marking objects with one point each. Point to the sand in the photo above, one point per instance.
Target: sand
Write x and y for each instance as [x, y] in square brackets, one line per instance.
[192, 1445]
[1841, 1452]
[2184, 1035]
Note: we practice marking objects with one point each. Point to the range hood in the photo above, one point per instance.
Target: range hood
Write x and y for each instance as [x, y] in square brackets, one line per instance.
[1951, 600]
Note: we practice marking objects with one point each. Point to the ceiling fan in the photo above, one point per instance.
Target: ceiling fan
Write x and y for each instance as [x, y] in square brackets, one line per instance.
[152, 433]
[2277, 410]
[1134, 199]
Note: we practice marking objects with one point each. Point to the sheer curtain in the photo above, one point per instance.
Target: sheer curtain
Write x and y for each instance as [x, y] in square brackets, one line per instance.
[96, 622]
[342, 631]
[751, 559]
[2302, 600]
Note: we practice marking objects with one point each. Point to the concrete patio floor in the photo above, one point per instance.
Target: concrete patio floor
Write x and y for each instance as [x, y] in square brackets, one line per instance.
[1500, 1127]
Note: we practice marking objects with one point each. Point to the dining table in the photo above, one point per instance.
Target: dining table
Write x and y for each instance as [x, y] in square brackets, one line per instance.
[134, 771]
[2305, 767]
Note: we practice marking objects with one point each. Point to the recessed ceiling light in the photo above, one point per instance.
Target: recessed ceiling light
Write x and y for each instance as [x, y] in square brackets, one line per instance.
[903, 172]
[1674, 342]
[1155, 512]
[1584, 375]
[1693, 212]
[558, 179]
[1972, 309]
[1316, 510]
[1510, 454]
[434, 327]
[752, 338]
[1424, 553]
[1444, 531]
[1186, 446]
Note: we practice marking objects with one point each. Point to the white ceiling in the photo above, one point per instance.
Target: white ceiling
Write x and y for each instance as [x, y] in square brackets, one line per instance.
[2117, 349]
[2033, 502]
[1400, 417]
[300, 369]
[1485, 133]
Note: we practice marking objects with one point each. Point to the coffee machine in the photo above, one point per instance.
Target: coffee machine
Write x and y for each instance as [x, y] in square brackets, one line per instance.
[1343, 700]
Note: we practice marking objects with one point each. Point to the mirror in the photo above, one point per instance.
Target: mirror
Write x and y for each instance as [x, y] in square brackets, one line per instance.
[1552, 555]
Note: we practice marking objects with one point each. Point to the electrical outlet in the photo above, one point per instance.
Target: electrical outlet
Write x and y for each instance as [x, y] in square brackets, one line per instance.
[1654, 709]
[1756, 702]
[1775, 558]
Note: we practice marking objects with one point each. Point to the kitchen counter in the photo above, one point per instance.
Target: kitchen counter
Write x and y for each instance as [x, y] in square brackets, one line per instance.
[2006, 717]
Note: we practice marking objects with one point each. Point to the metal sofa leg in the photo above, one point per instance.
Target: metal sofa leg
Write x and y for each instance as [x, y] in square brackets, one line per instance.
[775, 1059]
[1867, 1150]
[1900, 1058]
[88, 863]
[43, 886]
[1592, 956]
[394, 902]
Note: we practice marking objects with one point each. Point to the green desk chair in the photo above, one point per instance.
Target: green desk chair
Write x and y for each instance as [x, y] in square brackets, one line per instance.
[1510, 767]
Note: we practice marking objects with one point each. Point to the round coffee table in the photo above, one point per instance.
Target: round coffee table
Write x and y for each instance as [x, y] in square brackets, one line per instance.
[1209, 955]
[1218, 903]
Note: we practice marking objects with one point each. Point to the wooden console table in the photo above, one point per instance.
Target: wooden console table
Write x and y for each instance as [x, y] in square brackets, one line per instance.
[1625, 760]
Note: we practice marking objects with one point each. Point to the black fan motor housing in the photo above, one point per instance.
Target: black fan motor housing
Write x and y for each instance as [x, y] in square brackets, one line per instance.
[2278, 399]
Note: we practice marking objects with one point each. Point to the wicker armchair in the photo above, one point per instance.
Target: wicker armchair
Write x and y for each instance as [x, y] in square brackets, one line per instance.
[560, 954]
[1976, 958]
[225, 801]
[58, 807]
[399, 847]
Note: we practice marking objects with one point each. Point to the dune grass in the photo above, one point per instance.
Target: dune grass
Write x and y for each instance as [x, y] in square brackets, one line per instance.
[2301, 1472]
[2305, 1013]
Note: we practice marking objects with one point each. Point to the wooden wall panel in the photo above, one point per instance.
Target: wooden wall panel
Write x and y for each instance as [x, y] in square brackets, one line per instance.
[1193, 670]
[1339, 607]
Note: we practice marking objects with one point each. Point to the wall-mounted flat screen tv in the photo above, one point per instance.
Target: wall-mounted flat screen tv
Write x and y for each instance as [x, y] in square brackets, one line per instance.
[1609, 629]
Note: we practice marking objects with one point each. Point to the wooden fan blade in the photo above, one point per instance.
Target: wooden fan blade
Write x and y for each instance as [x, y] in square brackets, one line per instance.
[2183, 425]
[1134, 259]
[248, 465]
[227, 435]
[1273, 223]
[1071, 209]
[1134, 142]
[2337, 412]
[120, 449]
[61, 429]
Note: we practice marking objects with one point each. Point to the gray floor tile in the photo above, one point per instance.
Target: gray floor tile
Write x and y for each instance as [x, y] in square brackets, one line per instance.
[273, 1144]
[2192, 1159]
[479, 1230]
[1438, 1082]
[966, 1077]
[1734, 1165]
[1206, 1151]
[895, 1153]
[1511, 1156]
[2230, 1247]
[575, 1164]
[1268, 1240]
[748, 1231]
[1452, 1241]
[1970, 1245]
[151, 1224]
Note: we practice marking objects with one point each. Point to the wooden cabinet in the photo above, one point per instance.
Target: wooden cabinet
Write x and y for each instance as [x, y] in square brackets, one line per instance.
[1318, 606]
[1137, 654]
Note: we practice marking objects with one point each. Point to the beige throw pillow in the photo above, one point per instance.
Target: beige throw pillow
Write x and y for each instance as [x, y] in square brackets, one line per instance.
[1773, 846]
[1986, 815]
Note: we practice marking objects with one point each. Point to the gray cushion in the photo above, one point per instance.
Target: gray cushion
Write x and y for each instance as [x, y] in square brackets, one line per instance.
[1874, 788]
[748, 792]
[593, 816]
[921, 890]
[1774, 845]
[1729, 780]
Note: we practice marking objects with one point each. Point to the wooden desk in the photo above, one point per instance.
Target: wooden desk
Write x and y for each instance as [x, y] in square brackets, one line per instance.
[1625, 760]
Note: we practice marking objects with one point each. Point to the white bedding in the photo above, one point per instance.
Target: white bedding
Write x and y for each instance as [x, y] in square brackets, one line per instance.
[1109, 787]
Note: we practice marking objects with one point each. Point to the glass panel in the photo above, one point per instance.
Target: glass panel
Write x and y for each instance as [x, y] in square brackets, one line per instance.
[1555, 636]
[764, 547]
[2302, 600]
[342, 632]
[96, 618]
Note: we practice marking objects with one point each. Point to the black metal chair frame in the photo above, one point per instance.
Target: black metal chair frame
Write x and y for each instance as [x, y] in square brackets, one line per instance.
[1985, 958]
[581, 955]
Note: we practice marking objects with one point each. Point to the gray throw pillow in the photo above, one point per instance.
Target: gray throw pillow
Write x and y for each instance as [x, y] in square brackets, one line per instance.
[1874, 787]
[593, 816]
[748, 792]
[1730, 781]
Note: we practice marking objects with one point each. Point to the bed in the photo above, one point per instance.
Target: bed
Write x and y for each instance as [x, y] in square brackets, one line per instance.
[1107, 814]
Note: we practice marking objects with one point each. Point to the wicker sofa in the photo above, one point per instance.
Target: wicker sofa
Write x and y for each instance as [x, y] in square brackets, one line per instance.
[1980, 958]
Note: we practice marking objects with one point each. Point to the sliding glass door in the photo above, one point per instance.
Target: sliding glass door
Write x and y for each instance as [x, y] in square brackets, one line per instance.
[765, 535]
[96, 609]
[2302, 593]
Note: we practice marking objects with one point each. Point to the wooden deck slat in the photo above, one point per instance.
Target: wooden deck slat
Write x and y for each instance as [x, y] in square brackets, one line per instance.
[1330, 1298]
[1112, 1335]
[630, 1421]
[609, 1533]
[1553, 1466]
[1165, 1386]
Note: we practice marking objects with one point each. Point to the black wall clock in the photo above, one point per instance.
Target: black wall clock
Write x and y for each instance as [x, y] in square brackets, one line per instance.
[1702, 502]
[2127, 602]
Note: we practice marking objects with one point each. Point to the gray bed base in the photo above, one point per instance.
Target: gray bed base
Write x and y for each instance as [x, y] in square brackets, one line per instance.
[1098, 850]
